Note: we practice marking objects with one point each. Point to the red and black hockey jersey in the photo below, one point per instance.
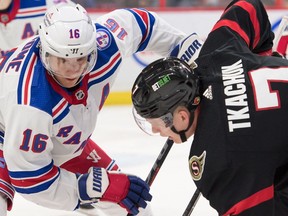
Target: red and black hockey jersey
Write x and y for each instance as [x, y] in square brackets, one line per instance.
[239, 155]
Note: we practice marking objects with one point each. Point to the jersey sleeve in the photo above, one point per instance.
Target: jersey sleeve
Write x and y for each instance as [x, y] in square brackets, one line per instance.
[28, 154]
[137, 30]
[247, 21]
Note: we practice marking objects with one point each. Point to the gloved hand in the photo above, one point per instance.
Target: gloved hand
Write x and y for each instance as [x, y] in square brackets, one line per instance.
[188, 49]
[130, 192]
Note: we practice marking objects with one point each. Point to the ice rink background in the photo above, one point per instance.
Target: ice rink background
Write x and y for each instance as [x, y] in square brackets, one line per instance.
[117, 133]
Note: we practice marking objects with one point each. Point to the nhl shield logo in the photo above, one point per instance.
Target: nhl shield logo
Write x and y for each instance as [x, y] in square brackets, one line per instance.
[4, 18]
[80, 95]
[196, 166]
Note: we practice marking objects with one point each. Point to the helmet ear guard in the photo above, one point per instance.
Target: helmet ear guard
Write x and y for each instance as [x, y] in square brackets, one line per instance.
[164, 85]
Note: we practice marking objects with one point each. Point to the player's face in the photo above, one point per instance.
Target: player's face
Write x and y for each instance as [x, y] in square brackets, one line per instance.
[159, 127]
[4, 4]
[180, 121]
[67, 71]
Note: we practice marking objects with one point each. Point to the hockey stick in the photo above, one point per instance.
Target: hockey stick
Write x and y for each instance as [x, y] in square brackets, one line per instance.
[191, 205]
[158, 163]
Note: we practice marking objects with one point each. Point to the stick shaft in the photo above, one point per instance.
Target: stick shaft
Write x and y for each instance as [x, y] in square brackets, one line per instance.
[191, 205]
[159, 161]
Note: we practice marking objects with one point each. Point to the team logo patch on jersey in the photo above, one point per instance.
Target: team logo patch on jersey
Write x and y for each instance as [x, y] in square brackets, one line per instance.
[103, 39]
[196, 166]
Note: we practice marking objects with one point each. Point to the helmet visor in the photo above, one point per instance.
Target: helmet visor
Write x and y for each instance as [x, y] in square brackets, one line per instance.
[68, 67]
[153, 126]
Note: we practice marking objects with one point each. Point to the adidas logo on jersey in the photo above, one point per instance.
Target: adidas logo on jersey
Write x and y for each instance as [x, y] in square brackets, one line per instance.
[208, 93]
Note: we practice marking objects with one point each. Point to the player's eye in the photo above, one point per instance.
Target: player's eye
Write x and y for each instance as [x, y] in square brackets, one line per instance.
[81, 59]
[62, 60]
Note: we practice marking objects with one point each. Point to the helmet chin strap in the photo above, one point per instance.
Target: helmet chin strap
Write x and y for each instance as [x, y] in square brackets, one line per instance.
[182, 132]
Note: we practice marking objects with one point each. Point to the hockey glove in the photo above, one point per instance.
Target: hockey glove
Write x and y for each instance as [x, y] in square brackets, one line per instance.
[188, 49]
[130, 192]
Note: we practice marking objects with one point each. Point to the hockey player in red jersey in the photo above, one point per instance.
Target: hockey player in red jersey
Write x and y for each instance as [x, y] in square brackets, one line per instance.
[52, 88]
[235, 104]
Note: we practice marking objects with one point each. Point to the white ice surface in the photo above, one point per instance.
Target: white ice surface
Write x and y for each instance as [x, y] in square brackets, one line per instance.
[117, 133]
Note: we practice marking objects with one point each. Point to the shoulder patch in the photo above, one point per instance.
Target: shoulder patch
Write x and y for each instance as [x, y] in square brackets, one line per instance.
[103, 39]
[196, 166]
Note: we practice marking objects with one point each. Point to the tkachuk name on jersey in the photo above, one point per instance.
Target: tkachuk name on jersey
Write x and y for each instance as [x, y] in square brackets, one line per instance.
[236, 101]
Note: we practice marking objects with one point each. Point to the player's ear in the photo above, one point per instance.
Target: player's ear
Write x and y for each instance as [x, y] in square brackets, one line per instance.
[182, 115]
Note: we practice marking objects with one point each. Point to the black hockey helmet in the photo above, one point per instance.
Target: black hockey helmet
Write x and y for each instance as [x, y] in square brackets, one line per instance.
[164, 85]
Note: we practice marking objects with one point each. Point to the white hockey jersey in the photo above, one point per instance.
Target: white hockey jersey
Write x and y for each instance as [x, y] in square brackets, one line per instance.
[43, 125]
[21, 21]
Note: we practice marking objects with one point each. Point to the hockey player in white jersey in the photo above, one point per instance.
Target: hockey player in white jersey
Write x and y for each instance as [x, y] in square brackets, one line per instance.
[52, 88]
[281, 38]
[19, 20]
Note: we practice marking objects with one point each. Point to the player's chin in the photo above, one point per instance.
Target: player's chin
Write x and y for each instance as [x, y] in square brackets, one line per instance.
[69, 83]
[175, 139]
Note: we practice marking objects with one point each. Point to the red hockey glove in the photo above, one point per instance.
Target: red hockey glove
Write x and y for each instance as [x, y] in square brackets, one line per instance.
[130, 192]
